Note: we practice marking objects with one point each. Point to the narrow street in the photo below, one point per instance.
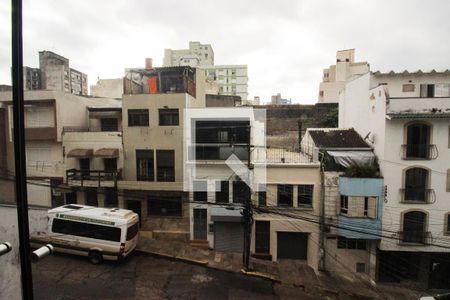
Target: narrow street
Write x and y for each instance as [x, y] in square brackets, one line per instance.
[142, 277]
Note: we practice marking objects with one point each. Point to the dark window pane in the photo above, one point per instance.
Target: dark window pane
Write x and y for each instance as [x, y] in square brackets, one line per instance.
[168, 117]
[223, 195]
[164, 206]
[305, 194]
[88, 230]
[285, 192]
[200, 191]
[91, 196]
[132, 231]
[138, 117]
[111, 199]
[241, 192]
[110, 164]
[262, 237]
[109, 124]
[144, 165]
[416, 184]
[165, 163]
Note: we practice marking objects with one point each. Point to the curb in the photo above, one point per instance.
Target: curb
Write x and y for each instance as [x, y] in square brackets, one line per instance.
[174, 257]
[260, 275]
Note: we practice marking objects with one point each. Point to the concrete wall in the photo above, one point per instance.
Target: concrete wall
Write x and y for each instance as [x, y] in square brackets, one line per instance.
[110, 88]
[10, 283]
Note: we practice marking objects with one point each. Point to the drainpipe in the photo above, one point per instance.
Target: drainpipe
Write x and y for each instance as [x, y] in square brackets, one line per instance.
[322, 251]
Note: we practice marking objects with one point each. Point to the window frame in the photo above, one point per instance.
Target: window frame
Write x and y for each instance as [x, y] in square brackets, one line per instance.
[165, 173]
[223, 196]
[343, 206]
[285, 190]
[174, 118]
[150, 174]
[156, 201]
[303, 193]
[138, 117]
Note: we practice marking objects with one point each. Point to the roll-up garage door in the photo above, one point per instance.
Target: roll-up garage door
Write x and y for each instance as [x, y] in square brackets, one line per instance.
[228, 236]
[292, 245]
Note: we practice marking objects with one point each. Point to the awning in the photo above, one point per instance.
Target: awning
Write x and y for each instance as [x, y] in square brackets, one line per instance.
[107, 153]
[80, 153]
[348, 158]
[226, 214]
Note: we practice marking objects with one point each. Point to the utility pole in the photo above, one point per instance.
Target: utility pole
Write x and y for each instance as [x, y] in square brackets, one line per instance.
[19, 149]
[248, 208]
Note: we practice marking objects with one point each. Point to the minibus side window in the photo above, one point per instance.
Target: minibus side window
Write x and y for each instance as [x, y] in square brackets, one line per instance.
[88, 230]
[132, 231]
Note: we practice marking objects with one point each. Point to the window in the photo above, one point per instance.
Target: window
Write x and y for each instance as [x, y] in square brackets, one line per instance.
[241, 192]
[414, 224]
[109, 124]
[200, 191]
[344, 204]
[88, 230]
[262, 237]
[164, 206]
[305, 194]
[262, 195]
[165, 164]
[416, 181]
[345, 243]
[366, 206]
[321, 94]
[110, 164]
[36, 117]
[284, 193]
[132, 231]
[111, 199]
[447, 224]
[448, 180]
[408, 87]
[85, 165]
[168, 117]
[91, 196]
[418, 141]
[223, 195]
[138, 117]
[360, 267]
[435, 90]
[144, 165]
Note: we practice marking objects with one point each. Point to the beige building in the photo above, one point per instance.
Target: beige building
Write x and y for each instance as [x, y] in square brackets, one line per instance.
[109, 88]
[198, 55]
[335, 77]
[47, 113]
[153, 115]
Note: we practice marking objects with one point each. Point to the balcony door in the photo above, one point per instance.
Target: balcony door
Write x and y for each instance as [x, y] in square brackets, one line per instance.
[418, 140]
[416, 180]
[414, 224]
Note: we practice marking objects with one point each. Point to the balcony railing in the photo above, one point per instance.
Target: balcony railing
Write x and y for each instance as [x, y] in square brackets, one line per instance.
[90, 129]
[419, 151]
[414, 237]
[418, 195]
[92, 175]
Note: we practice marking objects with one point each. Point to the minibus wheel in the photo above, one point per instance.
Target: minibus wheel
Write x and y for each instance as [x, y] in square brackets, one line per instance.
[95, 257]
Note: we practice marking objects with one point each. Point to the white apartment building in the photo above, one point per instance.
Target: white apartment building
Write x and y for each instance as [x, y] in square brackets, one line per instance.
[231, 79]
[198, 55]
[335, 76]
[406, 117]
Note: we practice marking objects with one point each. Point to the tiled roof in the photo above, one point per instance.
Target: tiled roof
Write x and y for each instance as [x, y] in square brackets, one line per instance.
[340, 138]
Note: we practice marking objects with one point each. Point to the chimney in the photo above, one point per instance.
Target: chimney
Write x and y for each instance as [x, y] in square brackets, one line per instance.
[148, 63]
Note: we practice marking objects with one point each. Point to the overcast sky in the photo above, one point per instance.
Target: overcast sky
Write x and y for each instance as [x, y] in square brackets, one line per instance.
[285, 43]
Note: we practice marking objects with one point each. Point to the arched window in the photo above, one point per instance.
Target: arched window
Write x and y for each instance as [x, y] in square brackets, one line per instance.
[414, 227]
[416, 185]
[418, 141]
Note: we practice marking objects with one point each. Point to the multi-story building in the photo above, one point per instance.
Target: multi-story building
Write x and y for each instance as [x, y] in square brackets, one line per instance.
[335, 77]
[352, 201]
[46, 115]
[153, 117]
[54, 73]
[285, 188]
[406, 117]
[198, 55]
[277, 100]
[231, 79]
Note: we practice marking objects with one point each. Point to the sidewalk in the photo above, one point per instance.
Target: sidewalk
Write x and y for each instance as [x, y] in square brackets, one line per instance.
[289, 273]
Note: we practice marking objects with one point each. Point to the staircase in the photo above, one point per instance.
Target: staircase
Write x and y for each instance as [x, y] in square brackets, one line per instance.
[201, 244]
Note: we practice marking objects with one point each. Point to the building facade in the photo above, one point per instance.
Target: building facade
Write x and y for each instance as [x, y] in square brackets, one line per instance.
[405, 117]
[198, 55]
[335, 77]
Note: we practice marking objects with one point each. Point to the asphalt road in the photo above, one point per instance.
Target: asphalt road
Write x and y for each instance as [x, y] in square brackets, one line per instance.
[142, 277]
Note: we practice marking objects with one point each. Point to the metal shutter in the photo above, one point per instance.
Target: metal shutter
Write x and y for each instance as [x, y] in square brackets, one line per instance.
[292, 245]
[228, 236]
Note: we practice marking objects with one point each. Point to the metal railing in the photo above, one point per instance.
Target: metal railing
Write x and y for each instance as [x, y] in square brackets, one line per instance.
[414, 237]
[417, 195]
[90, 129]
[92, 175]
[419, 151]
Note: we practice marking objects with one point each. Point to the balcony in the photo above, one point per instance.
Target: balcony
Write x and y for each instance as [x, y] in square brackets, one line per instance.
[92, 178]
[417, 196]
[419, 152]
[414, 237]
